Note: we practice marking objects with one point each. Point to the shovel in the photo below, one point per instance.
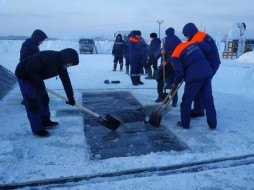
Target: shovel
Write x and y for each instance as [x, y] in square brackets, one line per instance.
[107, 120]
[164, 93]
[155, 117]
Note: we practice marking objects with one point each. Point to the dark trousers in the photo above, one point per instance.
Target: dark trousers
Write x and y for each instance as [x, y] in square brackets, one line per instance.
[36, 104]
[204, 88]
[152, 63]
[118, 59]
[127, 61]
[135, 71]
[160, 88]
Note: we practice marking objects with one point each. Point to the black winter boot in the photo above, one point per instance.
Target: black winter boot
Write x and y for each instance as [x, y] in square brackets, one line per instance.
[158, 100]
[139, 81]
[134, 80]
[115, 65]
[121, 67]
[42, 133]
[47, 123]
[195, 114]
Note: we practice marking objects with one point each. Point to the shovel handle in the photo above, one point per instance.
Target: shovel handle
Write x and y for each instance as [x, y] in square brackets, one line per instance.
[163, 67]
[76, 104]
[170, 97]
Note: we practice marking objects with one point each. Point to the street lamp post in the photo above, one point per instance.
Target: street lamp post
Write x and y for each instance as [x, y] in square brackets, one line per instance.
[159, 22]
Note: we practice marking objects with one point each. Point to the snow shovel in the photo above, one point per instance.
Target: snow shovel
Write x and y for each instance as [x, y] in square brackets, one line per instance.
[108, 121]
[155, 117]
[164, 93]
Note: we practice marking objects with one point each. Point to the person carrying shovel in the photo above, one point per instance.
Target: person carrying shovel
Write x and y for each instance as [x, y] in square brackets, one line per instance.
[190, 65]
[32, 72]
[166, 72]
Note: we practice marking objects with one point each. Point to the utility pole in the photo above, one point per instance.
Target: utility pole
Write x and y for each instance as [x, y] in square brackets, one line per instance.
[159, 22]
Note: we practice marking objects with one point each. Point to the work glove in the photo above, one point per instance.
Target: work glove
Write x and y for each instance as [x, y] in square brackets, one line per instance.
[173, 88]
[71, 101]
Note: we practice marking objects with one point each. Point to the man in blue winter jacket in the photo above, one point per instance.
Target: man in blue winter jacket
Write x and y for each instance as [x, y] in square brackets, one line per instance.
[169, 71]
[136, 45]
[32, 72]
[152, 59]
[190, 31]
[190, 65]
[118, 52]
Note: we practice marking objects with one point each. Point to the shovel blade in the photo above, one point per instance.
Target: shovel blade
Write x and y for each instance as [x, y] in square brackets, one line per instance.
[155, 118]
[110, 122]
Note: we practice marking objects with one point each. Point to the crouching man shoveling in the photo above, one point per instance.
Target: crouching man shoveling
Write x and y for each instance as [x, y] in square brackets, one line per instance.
[31, 72]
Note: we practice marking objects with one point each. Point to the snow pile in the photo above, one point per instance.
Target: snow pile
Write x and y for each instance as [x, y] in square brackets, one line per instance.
[13, 46]
[246, 57]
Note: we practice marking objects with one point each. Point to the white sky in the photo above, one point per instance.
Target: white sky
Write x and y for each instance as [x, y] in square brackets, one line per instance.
[73, 19]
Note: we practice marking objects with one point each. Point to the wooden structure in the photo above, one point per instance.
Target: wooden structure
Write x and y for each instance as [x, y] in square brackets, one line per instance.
[231, 48]
[231, 51]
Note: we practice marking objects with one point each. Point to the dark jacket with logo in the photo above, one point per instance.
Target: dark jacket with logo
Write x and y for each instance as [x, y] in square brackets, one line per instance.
[189, 62]
[119, 46]
[48, 64]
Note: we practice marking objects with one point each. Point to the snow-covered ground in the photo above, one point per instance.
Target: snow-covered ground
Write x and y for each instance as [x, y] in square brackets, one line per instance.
[25, 158]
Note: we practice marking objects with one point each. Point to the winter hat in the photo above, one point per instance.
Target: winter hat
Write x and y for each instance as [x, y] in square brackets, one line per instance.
[172, 41]
[69, 55]
[190, 30]
[153, 35]
[38, 35]
[106, 82]
[170, 31]
[137, 33]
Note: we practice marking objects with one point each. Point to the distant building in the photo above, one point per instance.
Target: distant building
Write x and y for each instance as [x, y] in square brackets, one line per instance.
[231, 48]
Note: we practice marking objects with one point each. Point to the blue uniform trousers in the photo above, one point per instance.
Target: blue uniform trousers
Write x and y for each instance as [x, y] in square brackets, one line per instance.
[136, 68]
[191, 90]
[36, 103]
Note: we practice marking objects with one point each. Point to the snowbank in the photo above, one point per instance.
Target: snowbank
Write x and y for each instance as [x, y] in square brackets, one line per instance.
[13, 46]
[246, 58]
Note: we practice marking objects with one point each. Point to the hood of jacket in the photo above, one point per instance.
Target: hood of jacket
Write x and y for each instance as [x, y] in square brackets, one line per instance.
[69, 55]
[190, 30]
[38, 36]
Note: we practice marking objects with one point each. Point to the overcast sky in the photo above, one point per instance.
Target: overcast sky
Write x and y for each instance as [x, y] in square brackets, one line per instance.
[89, 18]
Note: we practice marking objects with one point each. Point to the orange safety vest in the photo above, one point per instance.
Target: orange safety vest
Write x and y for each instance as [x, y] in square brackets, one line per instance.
[199, 37]
[132, 39]
[178, 50]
